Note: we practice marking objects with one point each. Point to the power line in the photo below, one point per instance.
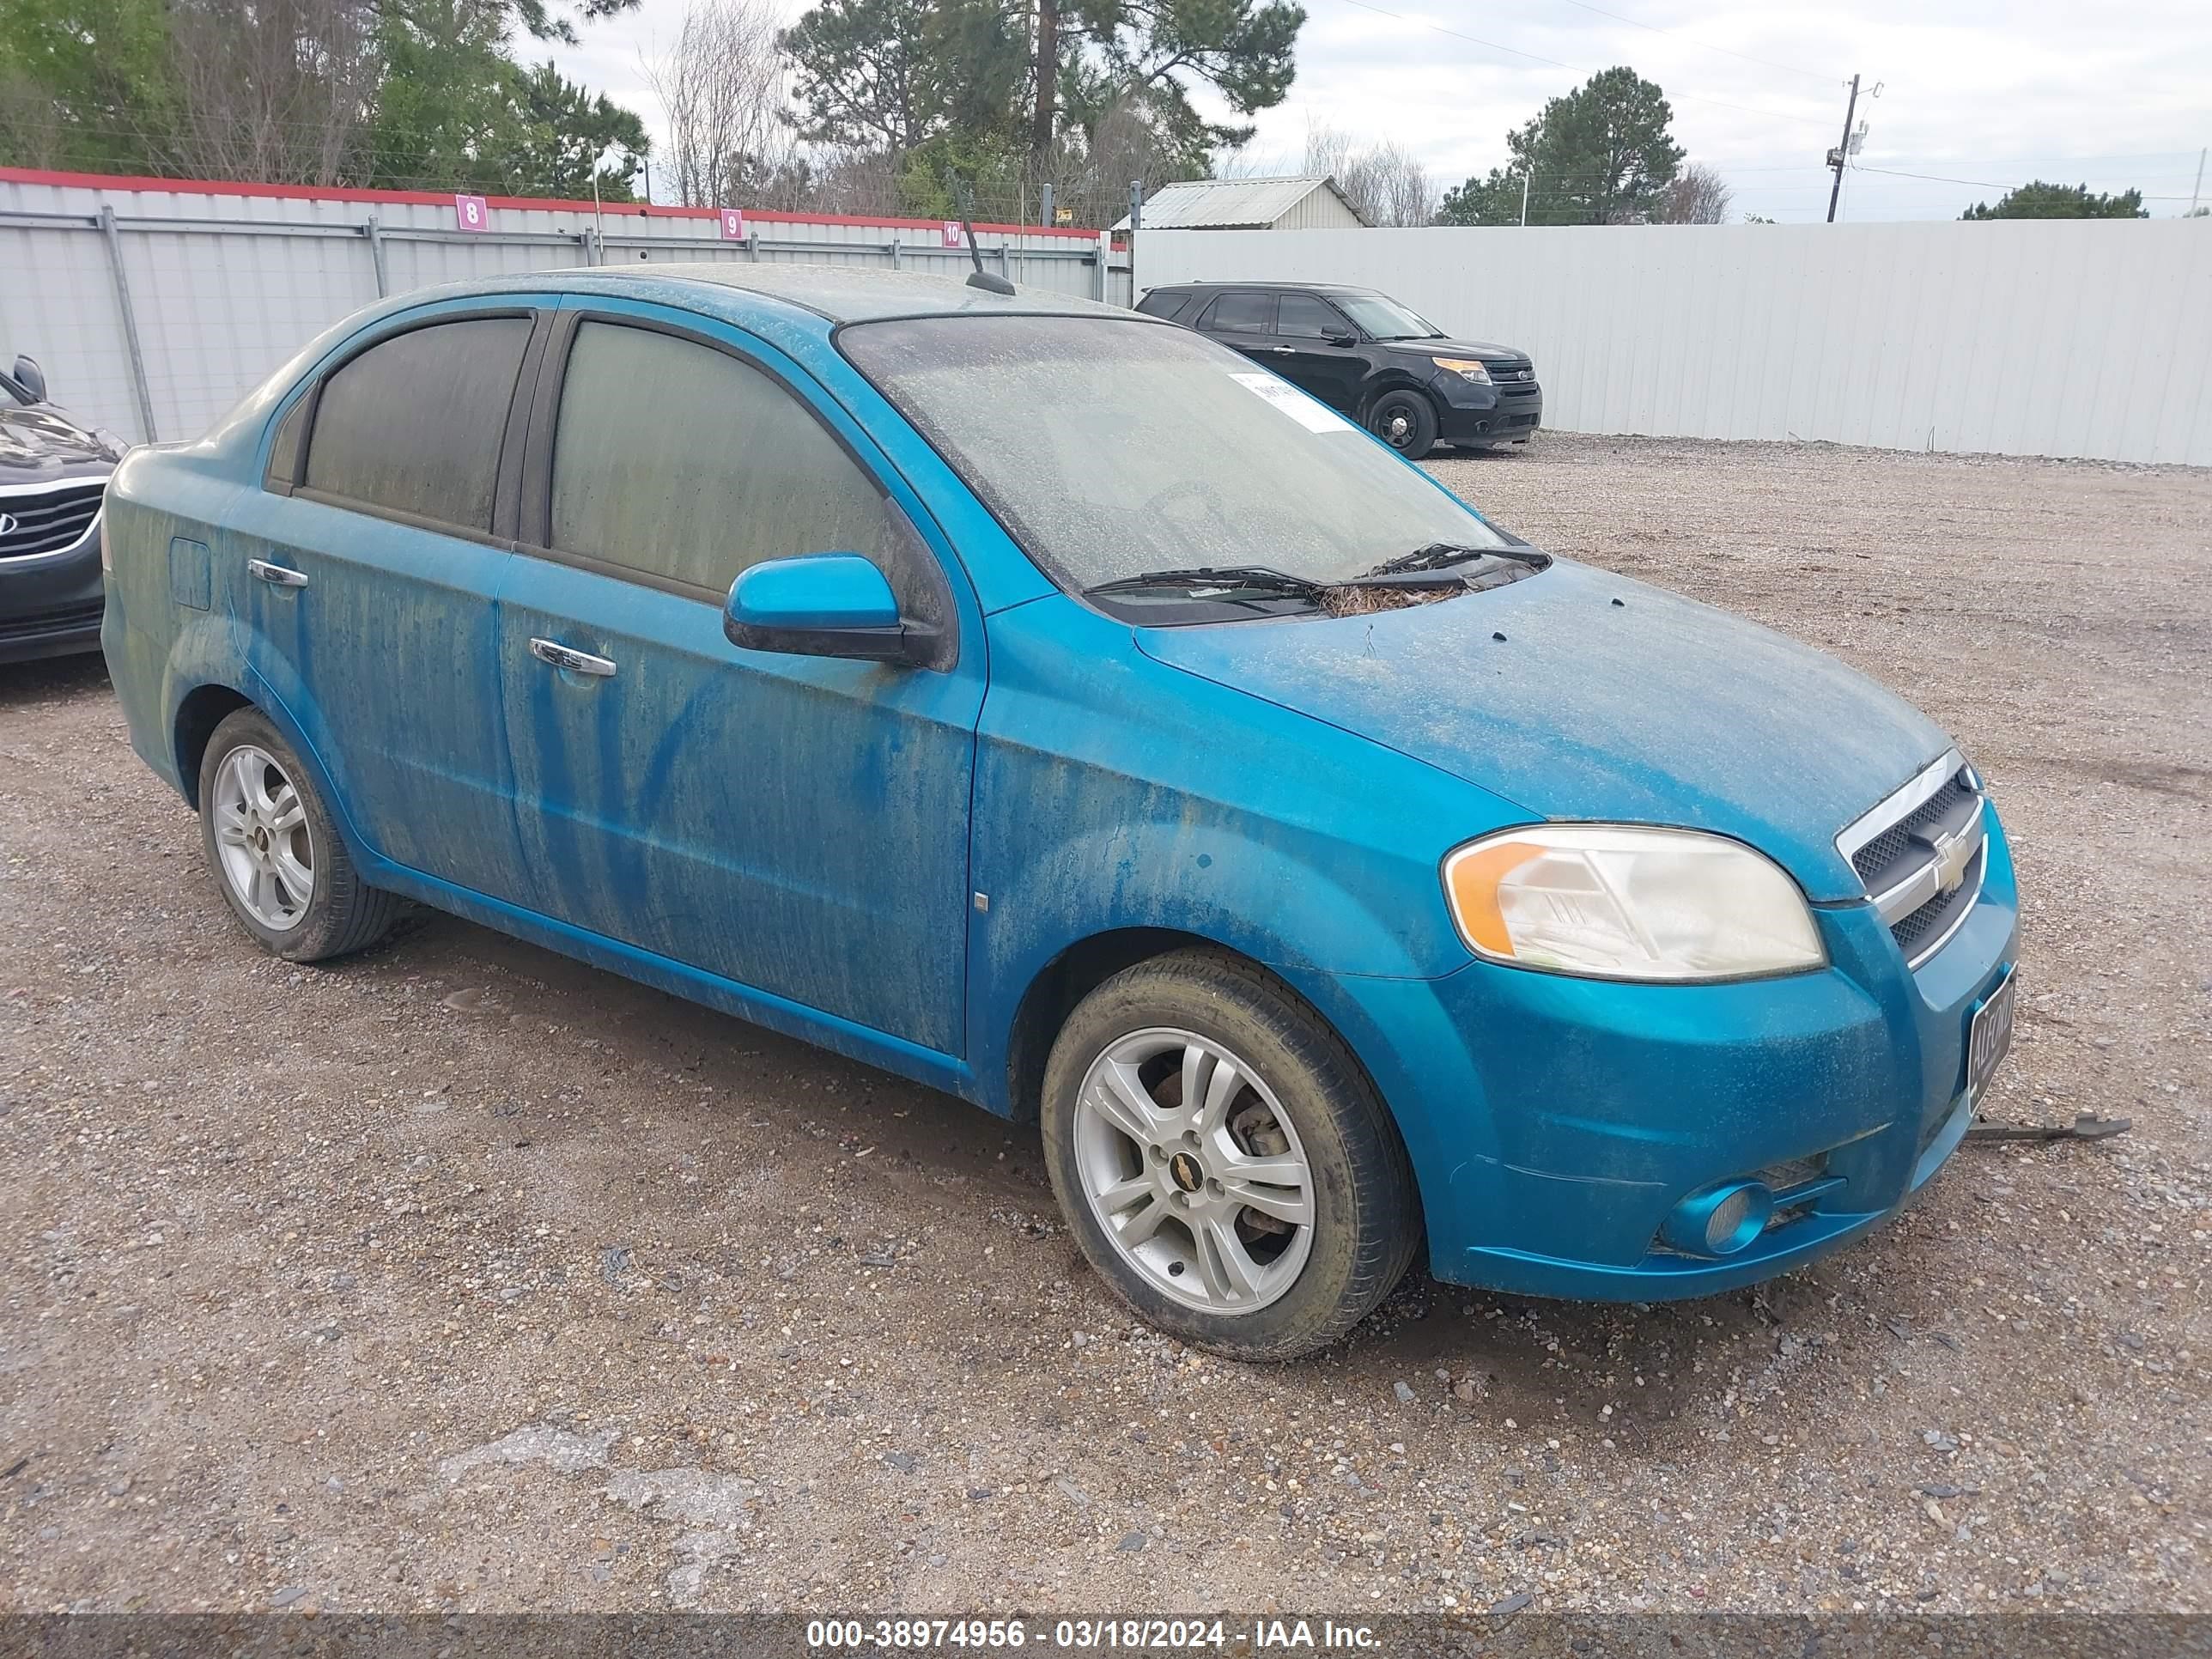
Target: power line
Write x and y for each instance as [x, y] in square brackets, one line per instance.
[1766, 62]
[1571, 68]
[1978, 184]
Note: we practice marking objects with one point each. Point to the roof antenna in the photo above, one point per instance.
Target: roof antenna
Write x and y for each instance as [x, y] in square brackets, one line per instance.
[980, 278]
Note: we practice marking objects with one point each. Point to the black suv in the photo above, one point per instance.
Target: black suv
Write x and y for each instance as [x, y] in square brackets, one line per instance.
[1366, 355]
[53, 471]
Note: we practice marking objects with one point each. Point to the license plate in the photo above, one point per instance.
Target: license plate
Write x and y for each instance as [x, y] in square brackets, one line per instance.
[1989, 1037]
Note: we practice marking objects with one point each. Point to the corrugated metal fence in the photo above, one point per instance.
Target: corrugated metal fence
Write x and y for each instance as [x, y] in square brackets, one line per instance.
[2069, 338]
[153, 305]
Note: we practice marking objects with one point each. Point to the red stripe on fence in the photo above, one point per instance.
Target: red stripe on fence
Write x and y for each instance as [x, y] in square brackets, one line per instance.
[434, 198]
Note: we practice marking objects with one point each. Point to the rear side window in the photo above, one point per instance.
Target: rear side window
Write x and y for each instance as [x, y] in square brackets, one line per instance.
[1164, 302]
[1310, 318]
[1241, 313]
[413, 424]
[685, 466]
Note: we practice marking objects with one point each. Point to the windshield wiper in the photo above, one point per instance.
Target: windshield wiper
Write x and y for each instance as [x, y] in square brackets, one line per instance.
[1435, 556]
[1252, 578]
[1439, 564]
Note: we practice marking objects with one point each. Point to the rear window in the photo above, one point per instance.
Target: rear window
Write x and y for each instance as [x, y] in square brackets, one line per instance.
[413, 424]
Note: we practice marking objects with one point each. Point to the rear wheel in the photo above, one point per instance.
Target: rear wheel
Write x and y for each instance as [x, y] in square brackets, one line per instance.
[1223, 1162]
[275, 853]
[1405, 421]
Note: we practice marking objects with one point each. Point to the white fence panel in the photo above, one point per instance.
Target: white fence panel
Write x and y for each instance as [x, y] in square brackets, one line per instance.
[225, 284]
[2069, 337]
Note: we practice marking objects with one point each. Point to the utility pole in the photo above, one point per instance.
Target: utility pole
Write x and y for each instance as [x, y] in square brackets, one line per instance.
[1525, 176]
[1842, 152]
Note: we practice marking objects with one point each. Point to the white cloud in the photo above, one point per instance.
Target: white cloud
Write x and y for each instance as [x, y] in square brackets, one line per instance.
[1995, 92]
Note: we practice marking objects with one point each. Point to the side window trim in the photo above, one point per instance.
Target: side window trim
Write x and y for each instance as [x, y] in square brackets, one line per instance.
[534, 536]
[538, 318]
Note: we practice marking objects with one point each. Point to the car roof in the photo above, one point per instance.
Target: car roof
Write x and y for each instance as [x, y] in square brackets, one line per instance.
[1297, 288]
[841, 294]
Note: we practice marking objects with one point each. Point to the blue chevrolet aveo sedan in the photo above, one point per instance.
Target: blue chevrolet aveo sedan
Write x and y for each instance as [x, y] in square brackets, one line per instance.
[1041, 702]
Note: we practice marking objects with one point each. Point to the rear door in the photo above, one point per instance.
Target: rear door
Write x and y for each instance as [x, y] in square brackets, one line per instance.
[367, 570]
[796, 825]
[1245, 320]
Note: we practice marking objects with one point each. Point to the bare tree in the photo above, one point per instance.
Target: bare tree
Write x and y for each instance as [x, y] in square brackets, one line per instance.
[1697, 196]
[278, 89]
[722, 88]
[1387, 182]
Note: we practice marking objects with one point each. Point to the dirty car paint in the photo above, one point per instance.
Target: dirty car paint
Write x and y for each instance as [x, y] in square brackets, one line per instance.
[891, 860]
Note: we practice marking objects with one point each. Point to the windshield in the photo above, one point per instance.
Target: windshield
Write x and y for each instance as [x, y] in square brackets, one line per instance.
[1386, 319]
[1111, 448]
[8, 387]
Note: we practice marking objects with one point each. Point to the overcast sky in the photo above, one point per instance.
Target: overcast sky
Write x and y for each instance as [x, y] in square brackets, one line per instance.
[1991, 93]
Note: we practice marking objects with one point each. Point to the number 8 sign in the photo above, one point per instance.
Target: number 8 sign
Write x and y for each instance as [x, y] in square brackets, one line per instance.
[471, 213]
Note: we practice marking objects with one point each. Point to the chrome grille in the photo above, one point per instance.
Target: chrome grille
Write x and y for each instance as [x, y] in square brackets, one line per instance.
[35, 522]
[1921, 854]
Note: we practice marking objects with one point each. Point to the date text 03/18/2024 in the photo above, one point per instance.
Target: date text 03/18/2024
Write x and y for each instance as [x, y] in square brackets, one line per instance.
[1090, 1635]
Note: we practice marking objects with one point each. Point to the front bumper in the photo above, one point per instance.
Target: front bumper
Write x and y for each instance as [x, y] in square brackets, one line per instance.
[1471, 413]
[1554, 1123]
[51, 603]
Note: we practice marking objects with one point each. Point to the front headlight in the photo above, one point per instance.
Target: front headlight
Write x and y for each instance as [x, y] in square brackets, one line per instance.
[1617, 902]
[1467, 369]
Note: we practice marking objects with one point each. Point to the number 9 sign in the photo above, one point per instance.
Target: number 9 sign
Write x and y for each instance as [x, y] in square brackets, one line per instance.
[469, 212]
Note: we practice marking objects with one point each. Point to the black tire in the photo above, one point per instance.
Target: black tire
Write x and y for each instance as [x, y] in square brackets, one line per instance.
[342, 914]
[1406, 420]
[1366, 1214]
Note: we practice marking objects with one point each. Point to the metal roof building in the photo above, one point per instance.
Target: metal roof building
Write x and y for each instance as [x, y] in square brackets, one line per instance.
[1250, 204]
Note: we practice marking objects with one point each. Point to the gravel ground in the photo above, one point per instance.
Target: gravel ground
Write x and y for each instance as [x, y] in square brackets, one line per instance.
[460, 1276]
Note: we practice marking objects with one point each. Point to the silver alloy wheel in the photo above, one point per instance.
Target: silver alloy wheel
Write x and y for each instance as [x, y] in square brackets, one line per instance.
[261, 838]
[1194, 1170]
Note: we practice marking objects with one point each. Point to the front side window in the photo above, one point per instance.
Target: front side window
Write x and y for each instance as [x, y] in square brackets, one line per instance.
[1242, 313]
[1111, 447]
[678, 462]
[1309, 318]
[413, 424]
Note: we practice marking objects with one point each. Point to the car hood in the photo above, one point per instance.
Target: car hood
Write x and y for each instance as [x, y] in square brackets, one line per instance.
[39, 443]
[1484, 349]
[1579, 695]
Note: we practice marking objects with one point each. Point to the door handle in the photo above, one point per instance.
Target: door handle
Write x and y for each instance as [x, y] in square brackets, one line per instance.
[275, 575]
[576, 662]
[1284, 351]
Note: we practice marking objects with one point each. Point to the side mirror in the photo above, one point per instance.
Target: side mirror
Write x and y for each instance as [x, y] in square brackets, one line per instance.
[823, 604]
[1342, 340]
[28, 374]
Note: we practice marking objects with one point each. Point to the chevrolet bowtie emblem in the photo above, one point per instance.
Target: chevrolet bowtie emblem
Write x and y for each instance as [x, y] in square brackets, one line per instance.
[1953, 855]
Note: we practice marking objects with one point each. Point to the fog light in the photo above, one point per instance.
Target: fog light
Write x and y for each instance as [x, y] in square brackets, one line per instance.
[1719, 1221]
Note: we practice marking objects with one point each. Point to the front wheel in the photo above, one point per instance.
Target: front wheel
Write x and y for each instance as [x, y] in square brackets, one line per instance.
[1405, 421]
[1221, 1160]
[275, 852]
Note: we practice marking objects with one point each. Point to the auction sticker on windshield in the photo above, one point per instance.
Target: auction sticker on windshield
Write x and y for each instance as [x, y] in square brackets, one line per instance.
[1315, 418]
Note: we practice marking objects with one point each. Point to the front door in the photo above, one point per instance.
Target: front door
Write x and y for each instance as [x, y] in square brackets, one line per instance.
[365, 574]
[796, 825]
[1304, 354]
